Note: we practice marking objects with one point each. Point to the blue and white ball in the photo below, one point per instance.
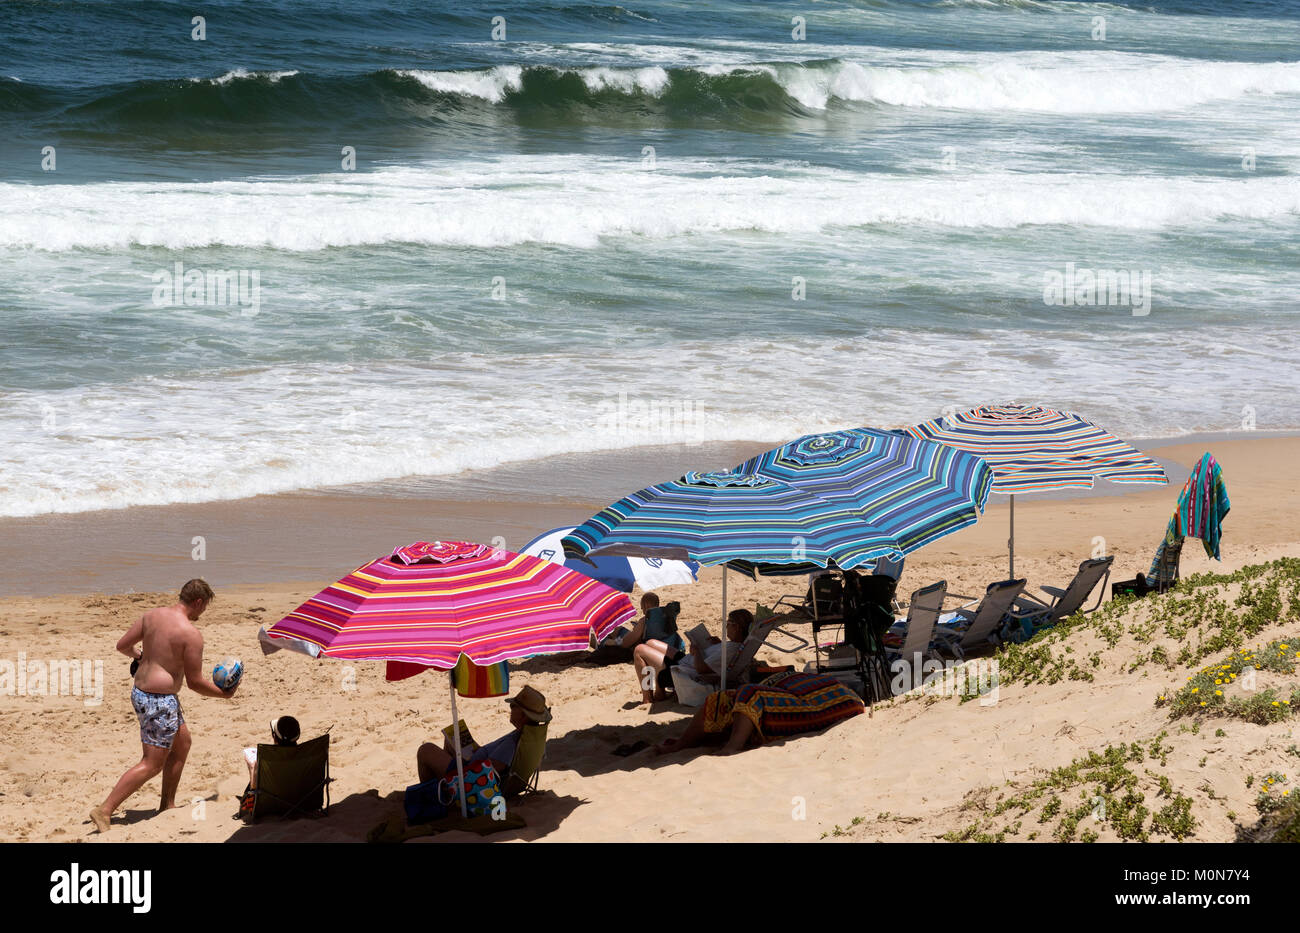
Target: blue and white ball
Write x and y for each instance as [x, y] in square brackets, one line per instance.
[228, 673]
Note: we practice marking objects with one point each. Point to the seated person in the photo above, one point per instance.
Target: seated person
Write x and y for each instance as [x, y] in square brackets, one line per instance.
[284, 731]
[656, 622]
[704, 658]
[526, 707]
[784, 704]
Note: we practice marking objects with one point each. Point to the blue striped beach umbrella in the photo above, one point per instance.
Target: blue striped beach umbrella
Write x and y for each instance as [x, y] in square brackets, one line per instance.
[915, 489]
[724, 517]
[734, 519]
[1035, 449]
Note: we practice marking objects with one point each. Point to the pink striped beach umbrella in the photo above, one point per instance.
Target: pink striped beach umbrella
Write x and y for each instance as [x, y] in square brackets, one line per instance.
[430, 603]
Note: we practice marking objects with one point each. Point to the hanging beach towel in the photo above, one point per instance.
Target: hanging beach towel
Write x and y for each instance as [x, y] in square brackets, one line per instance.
[481, 681]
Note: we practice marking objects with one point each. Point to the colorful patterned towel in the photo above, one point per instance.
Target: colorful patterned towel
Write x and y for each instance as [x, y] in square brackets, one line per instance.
[783, 704]
[1202, 506]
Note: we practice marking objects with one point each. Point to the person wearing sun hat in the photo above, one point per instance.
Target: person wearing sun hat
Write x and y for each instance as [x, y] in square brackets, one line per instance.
[527, 707]
[531, 704]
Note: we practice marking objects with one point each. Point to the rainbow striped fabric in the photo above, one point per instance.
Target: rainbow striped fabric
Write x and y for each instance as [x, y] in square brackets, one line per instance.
[1033, 449]
[783, 704]
[917, 490]
[1202, 506]
[458, 599]
[481, 680]
[716, 518]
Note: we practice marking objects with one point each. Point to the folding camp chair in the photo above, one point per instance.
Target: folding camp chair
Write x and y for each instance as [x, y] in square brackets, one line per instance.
[1033, 614]
[843, 603]
[292, 780]
[922, 615]
[692, 688]
[1163, 573]
[983, 623]
[822, 598]
[527, 762]
[868, 612]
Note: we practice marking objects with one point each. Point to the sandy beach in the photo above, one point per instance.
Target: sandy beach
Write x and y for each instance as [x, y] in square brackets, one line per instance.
[916, 768]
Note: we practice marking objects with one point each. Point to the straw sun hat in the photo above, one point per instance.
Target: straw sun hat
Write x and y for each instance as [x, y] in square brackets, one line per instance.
[533, 704]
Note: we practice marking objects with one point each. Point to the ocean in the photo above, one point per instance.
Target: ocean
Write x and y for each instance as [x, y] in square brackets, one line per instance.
[301, 245]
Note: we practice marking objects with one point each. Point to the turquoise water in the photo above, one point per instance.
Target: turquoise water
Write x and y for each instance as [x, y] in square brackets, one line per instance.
[623, 225]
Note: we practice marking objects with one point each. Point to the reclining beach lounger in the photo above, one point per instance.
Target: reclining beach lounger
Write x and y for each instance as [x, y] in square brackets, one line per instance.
[967, 629]
[692, 688]
[1034, 614]
[922, 615]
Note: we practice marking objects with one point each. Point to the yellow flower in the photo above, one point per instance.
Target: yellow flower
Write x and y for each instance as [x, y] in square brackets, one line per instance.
[1196, 690]
[1275, 703]
[1218, 693]
[1217, 681]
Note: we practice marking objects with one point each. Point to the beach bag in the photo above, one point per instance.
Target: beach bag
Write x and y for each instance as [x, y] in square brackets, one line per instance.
[437, 798]
[1138, 586]
[482, 786]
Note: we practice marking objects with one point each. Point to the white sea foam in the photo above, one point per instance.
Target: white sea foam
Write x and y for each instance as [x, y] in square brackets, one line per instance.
[1058, 82]
[491, 85]
[240, 74]
[652, 80]
[212, 437]
[1067, 83]
[577, 201]
[494, 83]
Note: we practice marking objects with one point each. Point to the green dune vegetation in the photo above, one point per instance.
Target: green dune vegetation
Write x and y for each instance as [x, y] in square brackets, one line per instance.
[1211, 758]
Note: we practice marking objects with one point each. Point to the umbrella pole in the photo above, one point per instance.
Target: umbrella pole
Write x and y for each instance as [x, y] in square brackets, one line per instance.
[724, 626]
[455, 728]
[1011, 542]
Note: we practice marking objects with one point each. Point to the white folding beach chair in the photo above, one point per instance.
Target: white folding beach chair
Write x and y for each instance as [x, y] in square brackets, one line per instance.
[692, 689]
[922, 615]
[984, 622]
[1034, 614]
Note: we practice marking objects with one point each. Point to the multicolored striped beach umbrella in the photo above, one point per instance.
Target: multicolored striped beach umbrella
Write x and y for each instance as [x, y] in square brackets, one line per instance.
[428, 604]
[727, 517]
[436, 604]
[915, 489]
[1035, 449]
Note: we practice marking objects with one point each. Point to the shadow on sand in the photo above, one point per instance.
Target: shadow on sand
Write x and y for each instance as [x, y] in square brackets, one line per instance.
[351, 818]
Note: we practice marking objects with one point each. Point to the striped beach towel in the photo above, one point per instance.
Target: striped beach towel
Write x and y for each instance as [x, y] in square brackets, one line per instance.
[783, 704]
[1202, 506]
[481, 680]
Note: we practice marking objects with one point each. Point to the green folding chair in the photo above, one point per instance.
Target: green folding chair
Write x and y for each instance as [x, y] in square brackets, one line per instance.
[292, 780]
[527, 763]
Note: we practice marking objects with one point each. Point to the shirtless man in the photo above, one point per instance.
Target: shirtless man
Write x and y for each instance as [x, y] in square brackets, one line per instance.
[172, 650]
